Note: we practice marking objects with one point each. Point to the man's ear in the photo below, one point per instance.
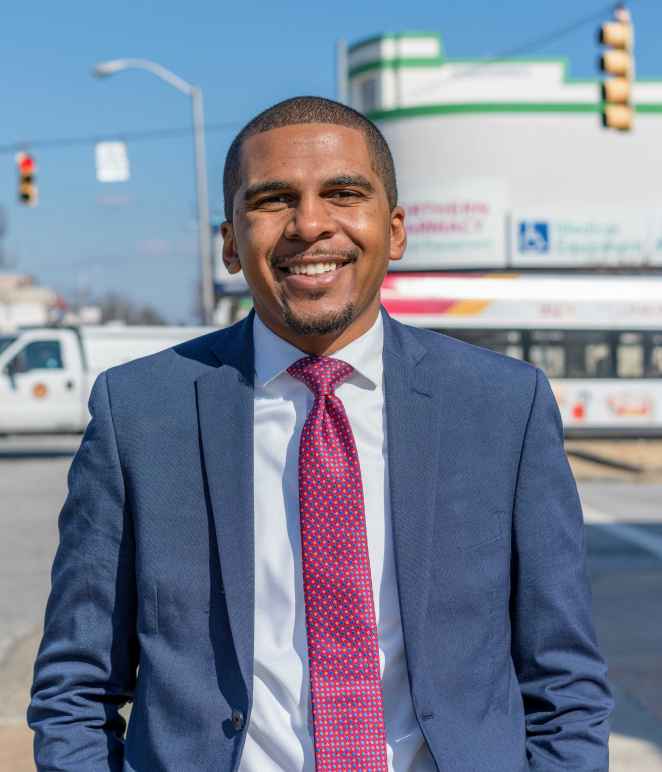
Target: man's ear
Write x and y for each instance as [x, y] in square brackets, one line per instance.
[398, 242]
[230, 254]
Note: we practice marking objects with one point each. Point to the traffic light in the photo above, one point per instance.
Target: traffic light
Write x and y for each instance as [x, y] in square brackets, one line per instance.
[618, 63]
[27, 186]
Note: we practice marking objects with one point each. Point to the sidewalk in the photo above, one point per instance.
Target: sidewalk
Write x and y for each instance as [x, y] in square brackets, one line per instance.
[643, 453]
[636, 739]
[15, 679]
[16, 749]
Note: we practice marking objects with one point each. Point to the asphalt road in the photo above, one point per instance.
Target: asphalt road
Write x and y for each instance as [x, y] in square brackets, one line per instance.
[624, 536]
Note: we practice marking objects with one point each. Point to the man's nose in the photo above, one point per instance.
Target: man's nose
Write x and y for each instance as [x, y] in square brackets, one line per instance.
[311, 220]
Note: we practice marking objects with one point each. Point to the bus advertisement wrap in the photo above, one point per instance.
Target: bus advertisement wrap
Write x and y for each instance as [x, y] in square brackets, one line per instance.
[599, 342]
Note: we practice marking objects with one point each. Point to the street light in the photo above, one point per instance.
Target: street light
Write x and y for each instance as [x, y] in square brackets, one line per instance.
[105, 69]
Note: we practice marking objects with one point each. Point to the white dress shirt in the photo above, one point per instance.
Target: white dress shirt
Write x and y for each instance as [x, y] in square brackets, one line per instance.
[280, 732]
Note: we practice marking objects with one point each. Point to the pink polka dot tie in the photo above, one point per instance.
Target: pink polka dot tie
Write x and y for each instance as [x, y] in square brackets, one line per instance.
[346, 694]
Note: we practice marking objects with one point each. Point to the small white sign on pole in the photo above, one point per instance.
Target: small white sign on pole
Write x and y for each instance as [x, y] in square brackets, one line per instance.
[112, 162]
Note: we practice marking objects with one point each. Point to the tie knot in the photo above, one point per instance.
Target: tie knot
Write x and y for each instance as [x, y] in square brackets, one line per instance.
[322, 375]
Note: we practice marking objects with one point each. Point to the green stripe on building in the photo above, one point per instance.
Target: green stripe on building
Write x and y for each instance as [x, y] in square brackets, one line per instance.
[396, 64]
[423, 111]
[392, 36]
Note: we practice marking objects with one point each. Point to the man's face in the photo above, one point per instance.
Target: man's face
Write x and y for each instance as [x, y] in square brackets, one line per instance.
[313, 232]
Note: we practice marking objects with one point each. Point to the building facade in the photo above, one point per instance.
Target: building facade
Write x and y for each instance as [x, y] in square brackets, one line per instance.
[23, 303]
[504, 164]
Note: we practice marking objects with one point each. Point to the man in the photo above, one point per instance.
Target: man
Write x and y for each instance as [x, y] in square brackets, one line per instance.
[320, 539]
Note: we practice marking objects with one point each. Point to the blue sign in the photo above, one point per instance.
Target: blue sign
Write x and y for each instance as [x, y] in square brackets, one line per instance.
[533, 236]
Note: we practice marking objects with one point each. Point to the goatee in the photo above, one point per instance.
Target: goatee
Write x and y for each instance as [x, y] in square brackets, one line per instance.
[321, 325]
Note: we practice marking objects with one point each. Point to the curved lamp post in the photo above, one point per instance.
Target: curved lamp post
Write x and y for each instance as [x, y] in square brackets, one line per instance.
[103, 70]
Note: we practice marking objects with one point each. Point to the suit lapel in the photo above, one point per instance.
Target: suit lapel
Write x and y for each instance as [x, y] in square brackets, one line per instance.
[225, 413]
[413, 427]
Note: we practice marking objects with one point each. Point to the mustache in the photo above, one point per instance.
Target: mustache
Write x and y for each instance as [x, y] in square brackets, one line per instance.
[282, 261]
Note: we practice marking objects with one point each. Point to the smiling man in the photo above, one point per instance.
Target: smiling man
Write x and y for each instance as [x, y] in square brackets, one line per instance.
[312, 221]
[320, 539]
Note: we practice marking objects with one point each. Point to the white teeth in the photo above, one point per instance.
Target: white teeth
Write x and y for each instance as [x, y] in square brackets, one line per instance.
[312, 269]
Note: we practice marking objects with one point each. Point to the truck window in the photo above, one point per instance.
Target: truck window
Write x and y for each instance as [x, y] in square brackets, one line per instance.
[5, 340]
[38, 355]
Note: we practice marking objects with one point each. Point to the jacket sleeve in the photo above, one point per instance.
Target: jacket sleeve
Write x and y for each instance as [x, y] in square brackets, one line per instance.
[86, 666]
[562, 676]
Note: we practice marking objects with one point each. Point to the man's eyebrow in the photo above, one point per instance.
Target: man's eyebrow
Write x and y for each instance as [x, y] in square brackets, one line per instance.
[268, 186]
[350, 180]
[278, 186]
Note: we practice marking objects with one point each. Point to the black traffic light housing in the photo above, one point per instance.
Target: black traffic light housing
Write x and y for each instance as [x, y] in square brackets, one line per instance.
[28, 193]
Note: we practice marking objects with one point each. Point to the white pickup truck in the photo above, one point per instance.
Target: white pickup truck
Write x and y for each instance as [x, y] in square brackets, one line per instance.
[46, 373]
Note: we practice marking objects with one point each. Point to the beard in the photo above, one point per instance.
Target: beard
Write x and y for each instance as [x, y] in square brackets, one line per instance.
[336, 321]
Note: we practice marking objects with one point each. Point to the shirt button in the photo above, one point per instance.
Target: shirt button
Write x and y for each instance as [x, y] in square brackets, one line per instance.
[237, 720]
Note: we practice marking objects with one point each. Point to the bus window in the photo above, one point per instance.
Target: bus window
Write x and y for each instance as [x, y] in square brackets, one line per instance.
[598, 361]
[654, 364]
[508, 342]
[588, 354]
[547, 351]
[630, 355]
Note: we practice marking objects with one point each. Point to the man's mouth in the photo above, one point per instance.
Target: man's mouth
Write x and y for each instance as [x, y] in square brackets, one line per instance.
[312, 269]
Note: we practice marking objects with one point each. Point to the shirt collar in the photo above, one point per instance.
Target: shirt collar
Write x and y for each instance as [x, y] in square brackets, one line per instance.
[273, 355]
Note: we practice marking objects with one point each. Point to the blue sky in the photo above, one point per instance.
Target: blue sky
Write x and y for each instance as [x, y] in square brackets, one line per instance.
[140, 236]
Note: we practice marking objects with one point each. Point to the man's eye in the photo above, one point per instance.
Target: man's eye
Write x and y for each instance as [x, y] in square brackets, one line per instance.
[344, 194]
[278, 199]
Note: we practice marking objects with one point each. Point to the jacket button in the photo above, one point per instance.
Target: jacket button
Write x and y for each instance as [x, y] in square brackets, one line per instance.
[237, 720]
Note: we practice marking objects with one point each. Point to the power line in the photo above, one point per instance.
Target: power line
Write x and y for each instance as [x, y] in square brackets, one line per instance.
[541, 41]
[133, 136]
[530, 46]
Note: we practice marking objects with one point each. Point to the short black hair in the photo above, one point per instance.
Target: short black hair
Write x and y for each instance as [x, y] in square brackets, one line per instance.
[310, 109]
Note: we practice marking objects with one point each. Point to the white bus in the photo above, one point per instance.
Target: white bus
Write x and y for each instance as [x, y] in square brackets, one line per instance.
[598, 337]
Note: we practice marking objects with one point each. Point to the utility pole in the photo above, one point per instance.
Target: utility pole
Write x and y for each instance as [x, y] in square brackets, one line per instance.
[104, 69]
[341, 71]
[3, 231]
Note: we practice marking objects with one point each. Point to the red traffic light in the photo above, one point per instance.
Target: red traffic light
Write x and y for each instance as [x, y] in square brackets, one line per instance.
[27, 188]
[26, 164]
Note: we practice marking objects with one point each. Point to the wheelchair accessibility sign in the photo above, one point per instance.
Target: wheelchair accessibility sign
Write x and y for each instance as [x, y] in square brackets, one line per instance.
[533, 237]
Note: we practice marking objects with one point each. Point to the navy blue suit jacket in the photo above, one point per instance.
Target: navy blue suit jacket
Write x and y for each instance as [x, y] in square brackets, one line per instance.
[153, 584]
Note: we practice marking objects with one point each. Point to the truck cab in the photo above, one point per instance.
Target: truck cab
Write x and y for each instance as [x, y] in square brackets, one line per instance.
[46, 373]
[42, 382]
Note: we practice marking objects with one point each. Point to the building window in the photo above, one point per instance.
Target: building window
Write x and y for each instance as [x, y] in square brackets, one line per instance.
[369, 95]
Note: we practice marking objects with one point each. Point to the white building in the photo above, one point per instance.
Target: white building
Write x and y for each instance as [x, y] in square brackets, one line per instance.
[22, 303]
[505, 164]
